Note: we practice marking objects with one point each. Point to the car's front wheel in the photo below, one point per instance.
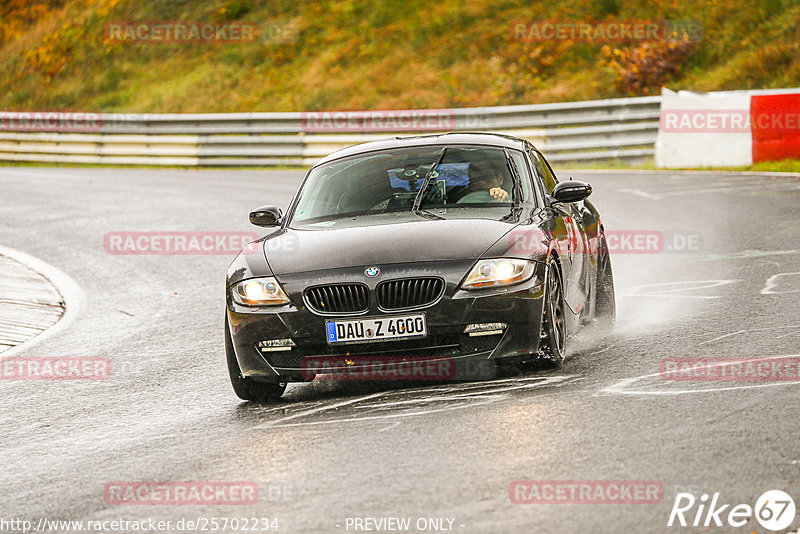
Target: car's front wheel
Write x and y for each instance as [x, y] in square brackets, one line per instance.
[247, 388]
[554, 332]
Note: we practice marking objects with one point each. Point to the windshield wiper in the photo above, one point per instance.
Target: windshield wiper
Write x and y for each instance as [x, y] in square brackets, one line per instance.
[517, 189]
[427, 181]
[429, 214]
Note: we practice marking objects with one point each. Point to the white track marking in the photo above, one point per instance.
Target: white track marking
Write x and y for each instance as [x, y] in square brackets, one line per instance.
[605, 349]
[744, 254]
[730, 186]
[722, 337]
[319, 409]
[71, 293]
[734, 186]
[476, 385]
[423, 400]
[768, 288]
[789, 334]
[640, 193]
[766, 329]
[20, 173]
[464, 396]
[726, 189]
[427, 401]
[669, 289]
[771, 186]
[620, 387]
[491, 394]
[551, 381]
[279, 424]
[688, 173]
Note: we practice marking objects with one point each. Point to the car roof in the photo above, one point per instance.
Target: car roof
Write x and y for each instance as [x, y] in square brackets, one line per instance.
[460, 138]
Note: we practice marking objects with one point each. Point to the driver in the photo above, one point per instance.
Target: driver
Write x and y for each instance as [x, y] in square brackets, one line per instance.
[486, 185]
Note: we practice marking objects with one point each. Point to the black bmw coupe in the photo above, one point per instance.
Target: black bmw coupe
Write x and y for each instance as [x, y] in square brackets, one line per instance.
[436, 256]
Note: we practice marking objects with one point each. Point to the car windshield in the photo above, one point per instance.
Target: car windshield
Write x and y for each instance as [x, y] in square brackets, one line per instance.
[387, 182]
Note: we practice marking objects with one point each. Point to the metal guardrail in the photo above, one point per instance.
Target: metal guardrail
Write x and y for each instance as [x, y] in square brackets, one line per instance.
[597, 130]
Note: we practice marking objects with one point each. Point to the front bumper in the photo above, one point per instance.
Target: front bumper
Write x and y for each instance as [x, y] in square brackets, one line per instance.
[519, 307]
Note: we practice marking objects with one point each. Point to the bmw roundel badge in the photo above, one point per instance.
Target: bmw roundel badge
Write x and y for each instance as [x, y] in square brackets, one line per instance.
[372, 272]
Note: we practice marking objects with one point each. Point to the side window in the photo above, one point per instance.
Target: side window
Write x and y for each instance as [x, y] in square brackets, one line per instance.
[543, 171]
[537, 188]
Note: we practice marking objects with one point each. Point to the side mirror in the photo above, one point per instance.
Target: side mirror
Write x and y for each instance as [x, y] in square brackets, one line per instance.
[266, 216]
[571, 191]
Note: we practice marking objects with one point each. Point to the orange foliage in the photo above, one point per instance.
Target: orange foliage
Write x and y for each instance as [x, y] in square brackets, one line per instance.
[16, 16]
[647, 67]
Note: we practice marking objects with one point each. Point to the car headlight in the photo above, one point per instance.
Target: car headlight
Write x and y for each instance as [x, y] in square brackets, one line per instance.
[259, 292]
[499, 272]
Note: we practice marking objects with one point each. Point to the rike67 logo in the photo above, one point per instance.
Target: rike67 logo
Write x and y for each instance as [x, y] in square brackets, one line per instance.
[774, 510]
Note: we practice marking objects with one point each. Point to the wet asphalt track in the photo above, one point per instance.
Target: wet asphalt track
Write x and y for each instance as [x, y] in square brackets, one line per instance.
[333, 450]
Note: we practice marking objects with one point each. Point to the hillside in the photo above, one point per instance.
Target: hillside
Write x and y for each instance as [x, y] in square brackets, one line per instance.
[391, 54]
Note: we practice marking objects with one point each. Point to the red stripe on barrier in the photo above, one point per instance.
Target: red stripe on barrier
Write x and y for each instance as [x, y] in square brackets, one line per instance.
[775, 121]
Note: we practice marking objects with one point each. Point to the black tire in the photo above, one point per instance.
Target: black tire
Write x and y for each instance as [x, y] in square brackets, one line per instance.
[554, 333]
[605, 307]
[246, 388]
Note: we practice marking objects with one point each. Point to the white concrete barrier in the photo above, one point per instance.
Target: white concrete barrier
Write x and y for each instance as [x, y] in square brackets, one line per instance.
[717, 129]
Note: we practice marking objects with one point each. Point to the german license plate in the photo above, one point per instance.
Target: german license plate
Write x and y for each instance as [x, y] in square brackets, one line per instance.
[376, 328]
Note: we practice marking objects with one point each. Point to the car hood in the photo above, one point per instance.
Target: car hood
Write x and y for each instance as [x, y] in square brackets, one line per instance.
[292, 251]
